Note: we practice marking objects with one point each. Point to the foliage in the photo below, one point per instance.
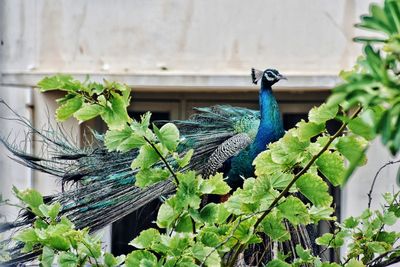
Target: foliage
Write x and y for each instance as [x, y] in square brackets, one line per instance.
[367, 234]
[56, 237]
[374, 82]
[298, 166]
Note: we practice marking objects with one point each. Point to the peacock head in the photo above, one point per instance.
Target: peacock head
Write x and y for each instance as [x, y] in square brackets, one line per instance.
[268, 76]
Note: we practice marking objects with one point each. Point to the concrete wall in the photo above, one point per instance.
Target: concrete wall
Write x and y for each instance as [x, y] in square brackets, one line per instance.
[11, 172]
[228, 36]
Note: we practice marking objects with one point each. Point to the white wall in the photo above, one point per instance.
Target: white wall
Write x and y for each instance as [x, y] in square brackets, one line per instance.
[228, 36]
[11, 172]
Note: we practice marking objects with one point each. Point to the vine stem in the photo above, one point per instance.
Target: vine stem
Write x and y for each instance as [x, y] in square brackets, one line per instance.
[163, 159]
[375, 178]
[295, 178]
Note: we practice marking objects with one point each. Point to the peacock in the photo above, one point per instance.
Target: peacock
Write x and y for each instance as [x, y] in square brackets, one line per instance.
[224, 138]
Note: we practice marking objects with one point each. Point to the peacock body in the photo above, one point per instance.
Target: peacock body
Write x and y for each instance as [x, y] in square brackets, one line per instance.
[224, 138]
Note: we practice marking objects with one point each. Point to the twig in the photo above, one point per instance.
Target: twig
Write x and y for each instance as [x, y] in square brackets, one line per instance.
[375, 262]
[163, 159]
[299, 174]
[375, 178]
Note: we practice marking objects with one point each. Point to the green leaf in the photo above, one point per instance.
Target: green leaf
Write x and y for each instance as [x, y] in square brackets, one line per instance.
[273, 227]
[354, 263]
[168, 135]
[321, 213]
[315, 189]
[325, 240]
[140, 258]
[374, 59]
[244, 232]
[389, 218]
[147, 177]
[187, 193]
[47, 257]
[210, 239]
[223, 214]
[58, 242]
[322, 113]
[176, 244]
[67, 259]
[109, 260]
[185, 261]
[331, 165]
[207, 255]
[303, 254]
[146, 239]
[264, 165]
[115, 115]
[330, 264]
[58, 82]
[209, 213]
[146, 158]
[350, 222]
[66, 110]
[294, 210]
[27, 235]
[166, 215]
[184, 161]
[279, 180]
[30, 197]
[96, 88]
[114, 138]
[352, 148]
[185, 224]
[142, 127]
[360, 127]
[44, 209]
[387, 237]
[88, 111]
[377, 247]
[330, 240]
[277, 263]
[288, 149]
[215, 185]
[306, 130]
[54, 210]
[262, 186]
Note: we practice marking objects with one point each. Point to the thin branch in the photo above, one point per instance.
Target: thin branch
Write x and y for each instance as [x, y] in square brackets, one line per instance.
[375, 262]
[163, 160]
[375, 178]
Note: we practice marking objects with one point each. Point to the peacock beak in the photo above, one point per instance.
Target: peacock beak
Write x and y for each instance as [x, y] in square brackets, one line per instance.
[282, 77]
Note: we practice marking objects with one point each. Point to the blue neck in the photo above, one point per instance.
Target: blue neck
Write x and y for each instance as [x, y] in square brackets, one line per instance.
[271, 127]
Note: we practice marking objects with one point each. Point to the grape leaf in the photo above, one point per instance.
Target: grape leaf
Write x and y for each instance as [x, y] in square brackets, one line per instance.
[332, 167]
[273, 227]
[88, 111]
[70, 106]
[168, 135]
[322, 113]
[146, 238]
[315, 189]
[294, 210]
